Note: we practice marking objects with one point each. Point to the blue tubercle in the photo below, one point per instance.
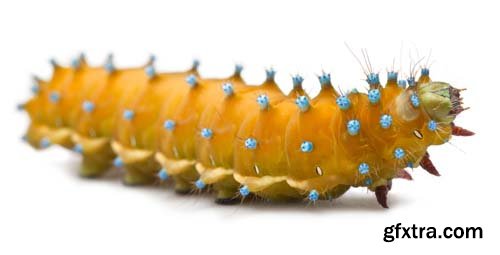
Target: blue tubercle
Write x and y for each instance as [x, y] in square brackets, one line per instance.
[424, 71]
[270, 73]
[152, 58]
[373, 79]
[325, 79]
[415, 101]
[75, 63]
[109, 66]
[162, 175]
[374, 96]
[20, 107]
[368, 182]
[263, 101]
[432, 125]
[237, 69]
[303, 103]
[402, 84]
[409, 164]
[411, 81]
[118, 162]
[200, 184]
[169, 125]
[244, 191]
[228, 89]
[206, 133]
[196, 64]
[35, 88]
[353, 127]
[399, 153]
[54, 97]
[191, 80]
[306, 146]
[363, 168]
[313, 195]
[88, 106]
[44, 143]
[251, 143]
[78, 148]
[150, 71]
[297, 81]
[53, 62]
[128, 114]
[385, 121]
[392, 76]
[343, 102]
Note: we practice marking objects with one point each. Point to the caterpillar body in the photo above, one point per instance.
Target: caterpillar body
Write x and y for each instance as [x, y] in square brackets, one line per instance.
[242, 140]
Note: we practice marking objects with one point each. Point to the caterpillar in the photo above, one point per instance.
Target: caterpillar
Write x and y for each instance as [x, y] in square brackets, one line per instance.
[243, 140]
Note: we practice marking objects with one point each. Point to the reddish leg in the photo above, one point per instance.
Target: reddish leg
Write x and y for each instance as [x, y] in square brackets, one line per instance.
[381, 194]
[426, 164]
[459, 131]
[403, 175]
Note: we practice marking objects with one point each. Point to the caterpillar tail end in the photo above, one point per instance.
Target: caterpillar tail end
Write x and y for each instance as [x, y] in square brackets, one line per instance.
[42, 136]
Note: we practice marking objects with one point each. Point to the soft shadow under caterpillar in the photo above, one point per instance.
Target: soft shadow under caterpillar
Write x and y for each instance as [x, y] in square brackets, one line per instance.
[241, 139]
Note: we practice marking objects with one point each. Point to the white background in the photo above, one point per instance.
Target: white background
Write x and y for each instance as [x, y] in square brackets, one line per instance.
[45, 208]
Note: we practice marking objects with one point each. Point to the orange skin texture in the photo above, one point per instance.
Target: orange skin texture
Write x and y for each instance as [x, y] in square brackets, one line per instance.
[224, 117]
[279, 130]
[145, 126]
[180, 142]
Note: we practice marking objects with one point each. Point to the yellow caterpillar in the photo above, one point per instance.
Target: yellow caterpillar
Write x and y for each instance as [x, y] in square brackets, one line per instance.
[242, 140]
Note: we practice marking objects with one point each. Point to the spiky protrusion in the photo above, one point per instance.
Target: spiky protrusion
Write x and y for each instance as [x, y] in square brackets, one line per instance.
[238, 68]
[325, 79]
[460, 131]
[195, 65]
[108, 65]
[392, 76]
[297, 81]
[373, 80]
[381, 194]
[402, 174]
[427, 164]
[76, 62]
[270, 74]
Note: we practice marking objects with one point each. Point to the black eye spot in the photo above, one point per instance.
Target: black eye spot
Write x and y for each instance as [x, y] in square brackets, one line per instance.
[418, 134]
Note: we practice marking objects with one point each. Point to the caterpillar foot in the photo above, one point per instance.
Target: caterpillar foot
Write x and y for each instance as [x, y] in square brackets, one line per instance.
[338, 191]
[227, 197]
[92, 168]
[227, 191]
[228, 201]
[182, 187]
[137, 178]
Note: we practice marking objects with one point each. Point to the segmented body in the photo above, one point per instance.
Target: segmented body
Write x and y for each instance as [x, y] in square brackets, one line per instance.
[240, 139]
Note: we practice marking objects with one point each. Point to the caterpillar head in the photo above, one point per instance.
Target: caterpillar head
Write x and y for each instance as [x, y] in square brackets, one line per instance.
[440, 100]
